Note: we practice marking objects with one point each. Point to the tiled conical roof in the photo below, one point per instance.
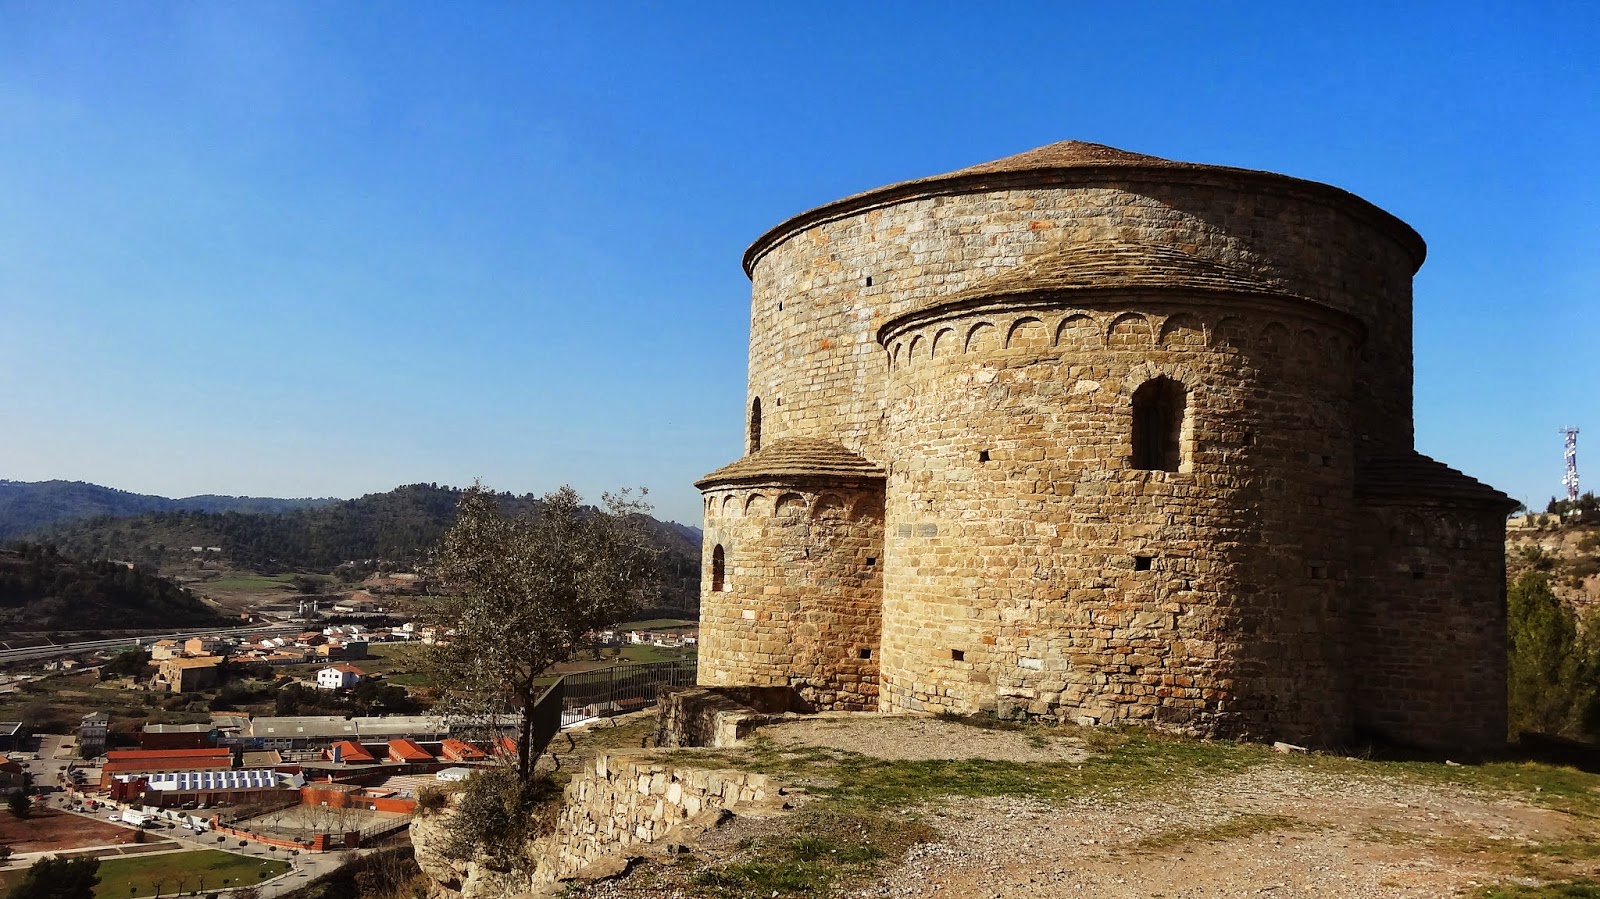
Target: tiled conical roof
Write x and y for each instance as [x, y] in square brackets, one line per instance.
[1413, 475]
[795, 457]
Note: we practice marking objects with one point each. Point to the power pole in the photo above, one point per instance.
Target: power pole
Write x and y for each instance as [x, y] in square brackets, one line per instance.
[1570, 479]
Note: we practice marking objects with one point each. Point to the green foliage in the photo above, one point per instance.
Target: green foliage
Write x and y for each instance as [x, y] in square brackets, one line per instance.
[431, 800]
[1553, 668]
[347, 536]
[497, 813]
[58, 878]
[133, 663]
[42, 589]
[527, 592]
[27, 507]
[19, 804]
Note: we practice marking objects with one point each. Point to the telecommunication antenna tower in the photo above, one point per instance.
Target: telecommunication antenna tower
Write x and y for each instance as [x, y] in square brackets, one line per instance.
[1570, 480]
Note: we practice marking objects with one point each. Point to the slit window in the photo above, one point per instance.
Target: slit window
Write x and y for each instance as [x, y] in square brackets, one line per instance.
[755, 425]
[719, 570]
[1159, 406]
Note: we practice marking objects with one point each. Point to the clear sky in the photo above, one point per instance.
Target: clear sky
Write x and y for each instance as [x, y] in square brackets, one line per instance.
[326, 249]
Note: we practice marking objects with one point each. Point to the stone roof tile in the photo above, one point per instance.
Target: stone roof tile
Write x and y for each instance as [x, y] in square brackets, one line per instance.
[798, 457]
[1112, 265]
[1413, 475]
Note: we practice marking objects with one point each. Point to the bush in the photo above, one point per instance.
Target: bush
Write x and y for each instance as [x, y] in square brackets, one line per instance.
[431, 800]
[497, 814]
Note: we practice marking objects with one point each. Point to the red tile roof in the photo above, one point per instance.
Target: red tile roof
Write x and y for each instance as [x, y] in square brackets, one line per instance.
[408, 751]
[461, 751]
[351, 752]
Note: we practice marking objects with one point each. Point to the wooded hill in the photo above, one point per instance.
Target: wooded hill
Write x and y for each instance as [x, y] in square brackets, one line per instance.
[42, 590]
[27, 507]
[397, 527]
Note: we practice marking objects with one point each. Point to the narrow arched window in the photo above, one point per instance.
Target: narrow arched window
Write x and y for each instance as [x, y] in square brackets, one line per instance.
[755, 425]
[1158, 410]
[718, 570]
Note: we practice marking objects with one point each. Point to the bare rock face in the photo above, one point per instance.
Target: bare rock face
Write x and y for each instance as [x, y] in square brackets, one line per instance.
[429, 835]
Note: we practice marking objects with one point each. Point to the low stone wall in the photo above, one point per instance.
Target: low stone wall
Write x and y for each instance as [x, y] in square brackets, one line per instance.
[715, 718]
[625, 801]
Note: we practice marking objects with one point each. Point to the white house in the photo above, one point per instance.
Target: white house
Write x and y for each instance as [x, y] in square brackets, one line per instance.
[339, 677]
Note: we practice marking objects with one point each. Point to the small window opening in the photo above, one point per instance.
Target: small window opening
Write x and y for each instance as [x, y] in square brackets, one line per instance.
[864, 652]
[957, 655]
[1319, 572]
[780, 305]
[1249, 438]
[869, 280]
[983, 455]
[871, 561]
[1327, 461]
[1159, 406]
[755, 425]
[1142, 563]
[1418, 574]
[718, 570]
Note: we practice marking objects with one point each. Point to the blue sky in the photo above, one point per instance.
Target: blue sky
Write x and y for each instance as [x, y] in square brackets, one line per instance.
[325, 249]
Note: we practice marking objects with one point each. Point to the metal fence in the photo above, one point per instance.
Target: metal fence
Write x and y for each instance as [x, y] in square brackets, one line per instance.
[609, 691]
[622, 688]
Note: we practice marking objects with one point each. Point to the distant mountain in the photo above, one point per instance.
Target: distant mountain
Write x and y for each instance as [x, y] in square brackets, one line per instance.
[26, 507]
[399, 527]
[42, 590]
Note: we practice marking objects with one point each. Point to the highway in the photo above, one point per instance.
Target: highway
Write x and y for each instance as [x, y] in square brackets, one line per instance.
[56, 650]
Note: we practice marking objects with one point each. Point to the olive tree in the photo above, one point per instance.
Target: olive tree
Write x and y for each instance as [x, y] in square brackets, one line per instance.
[526, 592]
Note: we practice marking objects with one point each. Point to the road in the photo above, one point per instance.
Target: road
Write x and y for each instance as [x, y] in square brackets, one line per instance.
[35, 653]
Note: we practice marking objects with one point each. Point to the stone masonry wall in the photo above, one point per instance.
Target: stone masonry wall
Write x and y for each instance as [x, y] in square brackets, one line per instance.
[815, 362]
[1431, 625]
[802, 590]
[625, 801]
[1015, 517]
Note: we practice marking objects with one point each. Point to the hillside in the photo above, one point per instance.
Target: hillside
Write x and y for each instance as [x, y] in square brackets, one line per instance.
[27, 507]
[1568, 552]
[42, 590]
[397, 527]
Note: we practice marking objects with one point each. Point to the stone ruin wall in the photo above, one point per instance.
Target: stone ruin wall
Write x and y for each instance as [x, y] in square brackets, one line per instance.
[819, 371]
[802, 590]
[1015, 516]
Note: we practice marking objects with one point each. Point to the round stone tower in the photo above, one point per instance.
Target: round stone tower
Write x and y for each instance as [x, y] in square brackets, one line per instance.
[1129, 416]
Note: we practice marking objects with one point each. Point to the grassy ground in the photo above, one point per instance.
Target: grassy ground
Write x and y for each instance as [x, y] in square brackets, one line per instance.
[170, 872]
[655, 624]
[865, 815]
[246, 583]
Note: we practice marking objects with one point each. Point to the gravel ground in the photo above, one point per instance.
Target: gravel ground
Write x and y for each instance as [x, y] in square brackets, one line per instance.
[1273, 830]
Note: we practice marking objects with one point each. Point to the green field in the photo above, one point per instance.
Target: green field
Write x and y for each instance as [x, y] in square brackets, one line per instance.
[655, 624]
[170, 872]
[246, 583]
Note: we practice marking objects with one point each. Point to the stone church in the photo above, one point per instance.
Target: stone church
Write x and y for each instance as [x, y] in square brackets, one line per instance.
[1093, 435]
